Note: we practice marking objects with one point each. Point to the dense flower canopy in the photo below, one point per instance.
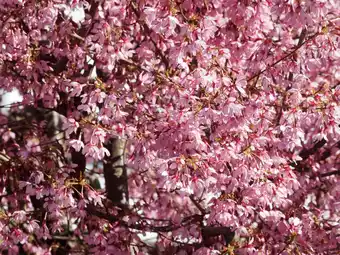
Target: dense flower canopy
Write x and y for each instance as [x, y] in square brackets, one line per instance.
[229, 112]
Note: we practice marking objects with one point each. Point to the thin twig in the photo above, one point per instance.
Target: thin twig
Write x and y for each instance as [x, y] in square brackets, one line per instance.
[335, 172]
[284, 57]
[199, 207]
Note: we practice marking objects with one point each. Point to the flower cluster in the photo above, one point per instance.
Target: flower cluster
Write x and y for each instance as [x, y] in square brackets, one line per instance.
[229, 112]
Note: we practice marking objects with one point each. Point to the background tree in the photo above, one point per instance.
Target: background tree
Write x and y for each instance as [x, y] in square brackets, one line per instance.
[215, 124]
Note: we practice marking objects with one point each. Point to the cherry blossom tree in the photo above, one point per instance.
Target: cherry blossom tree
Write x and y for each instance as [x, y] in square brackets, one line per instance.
[215, 124]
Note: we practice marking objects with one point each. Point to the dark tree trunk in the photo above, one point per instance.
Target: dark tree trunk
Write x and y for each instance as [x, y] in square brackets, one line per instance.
[115, 173]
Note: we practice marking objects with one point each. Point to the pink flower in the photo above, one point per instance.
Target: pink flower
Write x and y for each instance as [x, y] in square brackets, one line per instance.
[76, 144]
[102, 153]
[98, 136]
[90, 150]
[76, 88]
[31, 226]
[71, 126]
[95, 197]
[97, 96]
[8, 135]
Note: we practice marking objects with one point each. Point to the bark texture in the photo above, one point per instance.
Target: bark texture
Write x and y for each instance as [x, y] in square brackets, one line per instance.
[115, 173]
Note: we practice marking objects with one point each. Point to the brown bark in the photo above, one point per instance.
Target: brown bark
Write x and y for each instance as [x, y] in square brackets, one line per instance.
[115, 173]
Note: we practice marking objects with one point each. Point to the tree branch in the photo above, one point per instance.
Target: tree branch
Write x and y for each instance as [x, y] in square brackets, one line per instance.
[284, 57]
[335, 172]
[199, 207]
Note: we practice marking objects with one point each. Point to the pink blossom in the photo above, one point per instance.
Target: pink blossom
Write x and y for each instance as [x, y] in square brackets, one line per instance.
[97, 96]
[102, 153]
[8, 135]
[71, 126]
[76, 88]
[226, 115]
[76, 144]
[98, 136]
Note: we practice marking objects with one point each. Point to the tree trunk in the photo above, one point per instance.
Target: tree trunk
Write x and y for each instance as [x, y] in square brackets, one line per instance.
[116, 181]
